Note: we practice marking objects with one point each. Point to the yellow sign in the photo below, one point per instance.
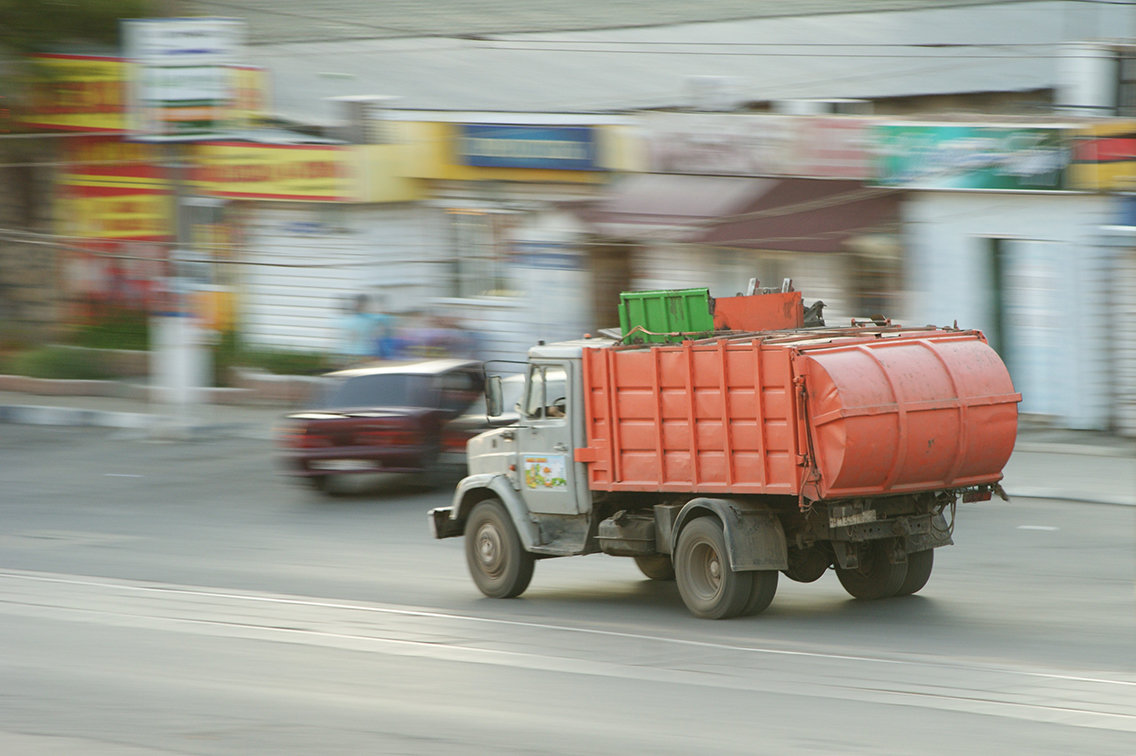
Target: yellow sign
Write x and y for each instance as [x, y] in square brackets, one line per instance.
[78, 92]
[112, 189]
[124, 216]
[284, 172]
[88, 93]
[1104, 157]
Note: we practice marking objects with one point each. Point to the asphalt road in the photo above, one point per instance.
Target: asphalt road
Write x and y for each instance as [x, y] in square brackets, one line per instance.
[183, 598]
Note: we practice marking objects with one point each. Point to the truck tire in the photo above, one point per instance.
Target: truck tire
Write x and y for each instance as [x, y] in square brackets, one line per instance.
[919, 567]
[709, 588]
[876, 577]
[656, 566]
[498, 563]
[764, 588]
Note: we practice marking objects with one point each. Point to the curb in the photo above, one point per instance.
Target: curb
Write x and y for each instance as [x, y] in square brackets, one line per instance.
[158, 427]
[32, 414]
[1041, 447]
[1059, 495]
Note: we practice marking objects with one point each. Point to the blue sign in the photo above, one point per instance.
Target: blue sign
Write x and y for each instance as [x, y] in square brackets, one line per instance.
[566, 148]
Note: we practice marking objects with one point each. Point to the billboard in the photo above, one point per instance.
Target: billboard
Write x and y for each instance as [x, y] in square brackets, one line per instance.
[88, 93]
[277, 172]
[758, 145]
[1104, 157]
[181, 85]
[111, 189]
[567, 148]
[967, 156]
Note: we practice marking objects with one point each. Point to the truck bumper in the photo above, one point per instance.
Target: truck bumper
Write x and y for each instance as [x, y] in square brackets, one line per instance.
[443, 524]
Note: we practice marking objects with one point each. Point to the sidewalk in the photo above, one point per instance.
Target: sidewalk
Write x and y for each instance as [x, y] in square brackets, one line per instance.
[1047, 463]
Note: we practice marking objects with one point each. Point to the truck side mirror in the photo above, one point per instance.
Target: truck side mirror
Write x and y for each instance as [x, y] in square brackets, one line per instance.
[493, 396]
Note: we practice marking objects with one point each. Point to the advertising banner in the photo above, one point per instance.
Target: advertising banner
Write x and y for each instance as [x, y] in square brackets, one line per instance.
[569, 148]
[957, 156]
[111, 189]
[1104, 158]
[77, 93]
[181, 86]
[758, 145]
[87, 93]
[277, 172]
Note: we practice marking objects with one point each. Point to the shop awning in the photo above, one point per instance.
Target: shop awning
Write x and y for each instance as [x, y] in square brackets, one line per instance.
[669, 206]
[791, 214]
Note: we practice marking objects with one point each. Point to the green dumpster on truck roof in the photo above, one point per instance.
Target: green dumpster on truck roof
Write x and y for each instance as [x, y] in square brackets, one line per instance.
[665, 314]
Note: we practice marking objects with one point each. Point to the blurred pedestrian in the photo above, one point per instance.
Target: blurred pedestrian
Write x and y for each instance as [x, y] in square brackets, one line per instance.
[357, 328]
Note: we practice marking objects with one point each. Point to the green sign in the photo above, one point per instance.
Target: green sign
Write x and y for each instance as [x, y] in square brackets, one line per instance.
[971, 157]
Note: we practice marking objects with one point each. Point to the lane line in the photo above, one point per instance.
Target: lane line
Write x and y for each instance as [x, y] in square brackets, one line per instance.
[427, 614]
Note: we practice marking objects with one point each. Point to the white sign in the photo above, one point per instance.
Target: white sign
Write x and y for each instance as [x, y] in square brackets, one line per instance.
[182, 77]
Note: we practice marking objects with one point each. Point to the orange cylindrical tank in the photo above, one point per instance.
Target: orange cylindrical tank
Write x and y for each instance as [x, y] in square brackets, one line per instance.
[908, 414]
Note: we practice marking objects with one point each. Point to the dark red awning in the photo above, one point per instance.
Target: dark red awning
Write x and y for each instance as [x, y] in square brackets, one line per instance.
[791, 214]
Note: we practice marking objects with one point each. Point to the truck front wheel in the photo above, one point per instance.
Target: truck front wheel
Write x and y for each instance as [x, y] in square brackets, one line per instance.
[497, 561]
[708, 586]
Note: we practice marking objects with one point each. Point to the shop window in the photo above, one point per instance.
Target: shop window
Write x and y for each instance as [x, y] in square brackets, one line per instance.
[477, 266]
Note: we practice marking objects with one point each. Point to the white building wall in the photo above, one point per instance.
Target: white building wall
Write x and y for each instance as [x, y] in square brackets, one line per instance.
[306, 262]
[549, 286]
[1054, 279]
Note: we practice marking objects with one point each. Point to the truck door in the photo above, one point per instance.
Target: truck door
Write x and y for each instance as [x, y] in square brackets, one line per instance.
[545, 451]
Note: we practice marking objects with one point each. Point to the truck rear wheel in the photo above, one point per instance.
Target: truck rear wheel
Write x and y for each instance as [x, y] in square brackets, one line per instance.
[709, 588]
[497, 561]
[656, 566]
[876, 577]
[764, 588]
[919, 567]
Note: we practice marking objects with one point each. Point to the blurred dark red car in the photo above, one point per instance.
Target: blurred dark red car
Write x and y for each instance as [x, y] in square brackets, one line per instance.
[407, 417]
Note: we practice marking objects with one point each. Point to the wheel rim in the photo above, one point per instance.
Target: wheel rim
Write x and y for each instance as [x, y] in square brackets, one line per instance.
[706, 570]
[489, 551]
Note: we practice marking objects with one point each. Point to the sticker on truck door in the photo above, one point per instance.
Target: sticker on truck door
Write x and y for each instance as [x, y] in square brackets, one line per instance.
[546, 472]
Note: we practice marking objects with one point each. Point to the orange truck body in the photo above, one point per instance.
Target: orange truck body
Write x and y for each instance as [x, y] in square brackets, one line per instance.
[824, 414]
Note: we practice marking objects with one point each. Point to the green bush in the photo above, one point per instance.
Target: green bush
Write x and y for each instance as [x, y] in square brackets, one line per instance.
[230, 352]
[114, 328]
[57, 362]
[285, 363]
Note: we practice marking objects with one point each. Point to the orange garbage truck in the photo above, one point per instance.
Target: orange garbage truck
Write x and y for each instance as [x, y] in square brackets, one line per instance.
[722, 443]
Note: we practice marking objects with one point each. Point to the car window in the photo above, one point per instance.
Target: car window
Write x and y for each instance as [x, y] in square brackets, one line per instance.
[384, 390]
[459, 389]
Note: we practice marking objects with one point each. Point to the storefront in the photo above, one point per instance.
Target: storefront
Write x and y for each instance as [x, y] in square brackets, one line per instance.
[1104, 159]
[501, 188]
[999, 239]
[723, 198]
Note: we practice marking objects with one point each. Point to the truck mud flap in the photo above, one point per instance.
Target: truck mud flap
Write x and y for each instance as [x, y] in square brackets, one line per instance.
[755, 539]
